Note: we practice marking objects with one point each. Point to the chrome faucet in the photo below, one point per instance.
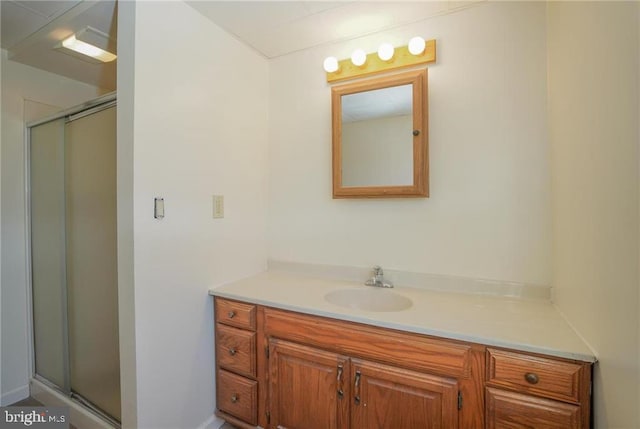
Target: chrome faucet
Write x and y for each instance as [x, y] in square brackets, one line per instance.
[378, 278]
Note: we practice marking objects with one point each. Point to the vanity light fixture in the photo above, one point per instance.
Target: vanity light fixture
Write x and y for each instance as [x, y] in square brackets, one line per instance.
[416, 45]
[417, 52]
[330, 64]
[385, 51]
[359, 57]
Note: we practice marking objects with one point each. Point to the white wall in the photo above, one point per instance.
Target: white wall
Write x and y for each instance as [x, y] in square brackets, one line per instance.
[593, 114]
[126, 289]
[20, 83]
[488, 215]
[199, 128]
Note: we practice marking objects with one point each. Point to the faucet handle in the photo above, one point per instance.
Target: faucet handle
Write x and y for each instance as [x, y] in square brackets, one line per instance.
[377, 270]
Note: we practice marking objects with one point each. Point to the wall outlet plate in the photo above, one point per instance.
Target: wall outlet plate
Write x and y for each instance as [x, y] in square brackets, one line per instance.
[218, 206]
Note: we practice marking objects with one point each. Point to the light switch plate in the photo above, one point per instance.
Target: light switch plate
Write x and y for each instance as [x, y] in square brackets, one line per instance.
[158, 208]
[218, 206]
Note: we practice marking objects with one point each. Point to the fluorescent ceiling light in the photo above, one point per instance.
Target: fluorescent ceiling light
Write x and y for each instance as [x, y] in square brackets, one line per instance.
[87, 49]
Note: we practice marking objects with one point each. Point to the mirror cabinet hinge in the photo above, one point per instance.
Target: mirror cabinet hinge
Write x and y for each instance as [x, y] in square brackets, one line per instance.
[459, 400]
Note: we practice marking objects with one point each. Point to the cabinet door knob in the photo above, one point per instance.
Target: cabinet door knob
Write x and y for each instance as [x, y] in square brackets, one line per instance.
[231, 314]
[232, 351]
[234, 398]
[416, 132]
[531, 378]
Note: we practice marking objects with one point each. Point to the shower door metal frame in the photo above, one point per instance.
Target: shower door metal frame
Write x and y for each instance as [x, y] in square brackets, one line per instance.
[71, 114]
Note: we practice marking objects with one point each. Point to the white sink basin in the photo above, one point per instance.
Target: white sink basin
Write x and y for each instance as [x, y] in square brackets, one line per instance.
[370, 299]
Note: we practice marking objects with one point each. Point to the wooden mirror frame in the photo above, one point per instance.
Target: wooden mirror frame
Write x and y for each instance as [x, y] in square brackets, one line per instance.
[420, 186]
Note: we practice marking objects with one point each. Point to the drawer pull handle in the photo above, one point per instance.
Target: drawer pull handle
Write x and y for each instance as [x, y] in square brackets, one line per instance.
[231, 314]
[340, 391]
[233, 351]
[234, 398]
[531, 378]
[356, 384]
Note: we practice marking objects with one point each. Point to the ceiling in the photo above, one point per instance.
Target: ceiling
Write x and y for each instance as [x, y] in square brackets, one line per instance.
[31, 29]
[275, 28]
[21, 18]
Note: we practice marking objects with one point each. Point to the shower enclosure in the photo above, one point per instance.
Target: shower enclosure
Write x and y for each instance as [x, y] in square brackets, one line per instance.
[72, 206]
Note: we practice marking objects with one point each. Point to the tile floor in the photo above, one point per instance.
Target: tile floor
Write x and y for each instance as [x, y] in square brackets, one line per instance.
[28, 402]
[31, 402]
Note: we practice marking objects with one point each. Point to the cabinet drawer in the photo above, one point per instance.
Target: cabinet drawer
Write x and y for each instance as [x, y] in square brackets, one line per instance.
[515, 410]
[537, 375]
[235, 313]
[238, 396]
[236, 350]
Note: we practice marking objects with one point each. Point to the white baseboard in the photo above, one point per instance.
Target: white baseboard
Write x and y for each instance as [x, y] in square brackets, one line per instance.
[14, 396]
[212, 422]
[78, 415]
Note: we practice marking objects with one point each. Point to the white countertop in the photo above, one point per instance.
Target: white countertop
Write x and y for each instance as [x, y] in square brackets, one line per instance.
[527, 325]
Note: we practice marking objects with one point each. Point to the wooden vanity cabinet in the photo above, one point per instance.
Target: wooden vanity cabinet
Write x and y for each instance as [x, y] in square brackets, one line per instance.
[239, 392]
[296, 371]
[368, 377]
[526, 390]
[307, 387]
[315, 389]
[385, 396]
[507, 409]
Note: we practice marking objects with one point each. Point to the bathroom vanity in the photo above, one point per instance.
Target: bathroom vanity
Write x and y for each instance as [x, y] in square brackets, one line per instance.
[288, 357]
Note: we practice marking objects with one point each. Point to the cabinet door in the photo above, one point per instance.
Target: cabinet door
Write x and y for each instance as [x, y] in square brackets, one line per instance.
[391, 398]
[307, 387]
[509, 410]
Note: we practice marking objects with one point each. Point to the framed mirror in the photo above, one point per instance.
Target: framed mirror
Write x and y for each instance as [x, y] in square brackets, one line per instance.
[380, 137]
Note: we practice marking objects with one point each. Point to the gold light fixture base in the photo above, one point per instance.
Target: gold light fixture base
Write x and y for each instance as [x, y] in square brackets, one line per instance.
[402, 58]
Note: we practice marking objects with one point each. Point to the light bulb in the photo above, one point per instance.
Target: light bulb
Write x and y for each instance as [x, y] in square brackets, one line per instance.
[385, 51]
[359, 57]
[416, 45]
[330, 64]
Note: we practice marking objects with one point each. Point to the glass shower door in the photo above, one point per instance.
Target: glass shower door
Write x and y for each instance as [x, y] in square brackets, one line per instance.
[48, 252]
[74, 257]
[92, 276]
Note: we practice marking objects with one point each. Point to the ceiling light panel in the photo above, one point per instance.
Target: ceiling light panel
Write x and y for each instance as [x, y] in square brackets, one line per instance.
[91, 43]
[48, 9]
